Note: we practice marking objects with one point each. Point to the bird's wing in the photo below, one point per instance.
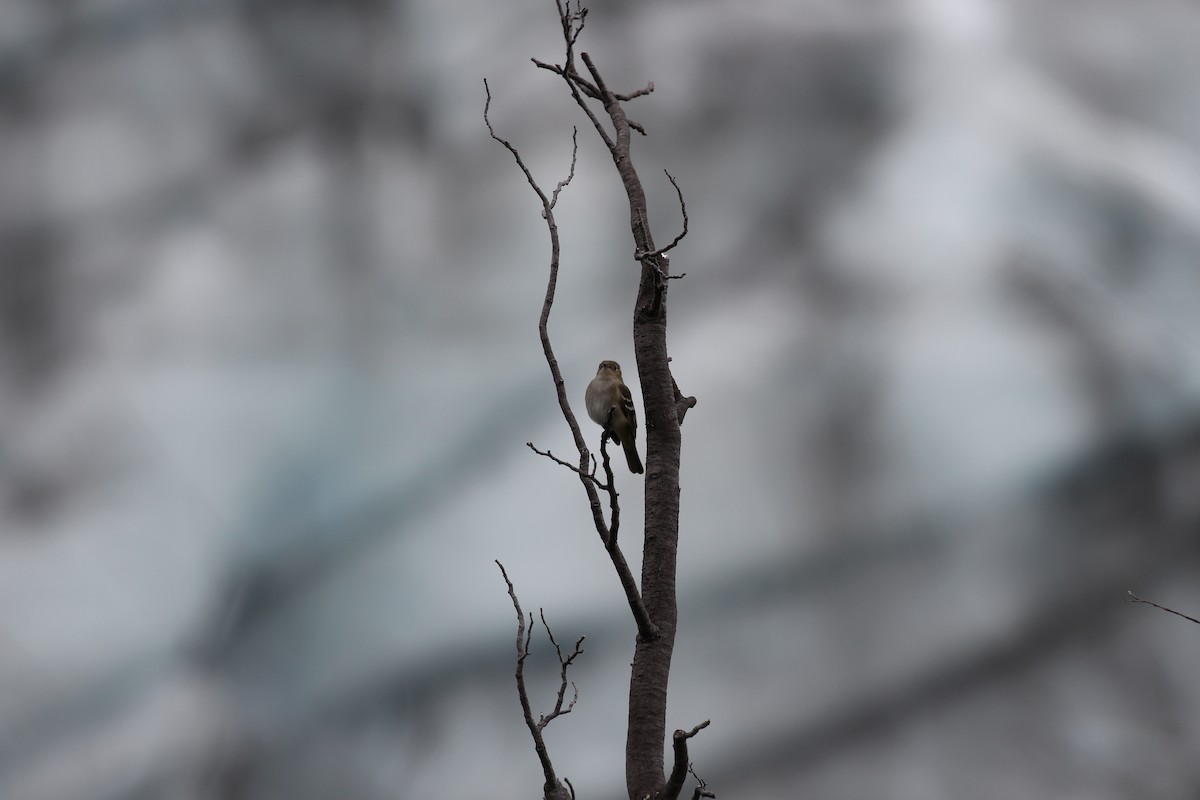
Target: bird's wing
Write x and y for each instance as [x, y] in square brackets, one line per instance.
[627, 407]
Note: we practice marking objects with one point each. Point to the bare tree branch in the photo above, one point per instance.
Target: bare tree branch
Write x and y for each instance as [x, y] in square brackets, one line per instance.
[553, 789]
[547, 204]
[683, 209]
[646, 629]
[614, 508]
[564, 665]
[571, 174]
[654, 606]
[590, 475]
[701, 789]
[1133, 598]
[587, 88]
[664, 407]
[647, 89]
[679, 771]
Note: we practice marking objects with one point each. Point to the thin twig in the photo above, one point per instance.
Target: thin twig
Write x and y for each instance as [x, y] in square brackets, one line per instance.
[574, 77]
[614, 508]
[588, 475]
[563, 183]
[575, 82]
[535, 729]
[1133, 598]
[660, 251]
[547, 206]
[564, 665]
[701, 789]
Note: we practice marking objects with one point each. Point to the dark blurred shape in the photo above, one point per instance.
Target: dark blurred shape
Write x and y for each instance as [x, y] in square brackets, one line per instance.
[33, 333]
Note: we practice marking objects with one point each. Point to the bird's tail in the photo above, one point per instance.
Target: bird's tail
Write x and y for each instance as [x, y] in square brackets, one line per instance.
[631, 456]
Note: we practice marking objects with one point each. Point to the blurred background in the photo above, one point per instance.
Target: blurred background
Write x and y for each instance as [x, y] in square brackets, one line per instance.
[269, 362]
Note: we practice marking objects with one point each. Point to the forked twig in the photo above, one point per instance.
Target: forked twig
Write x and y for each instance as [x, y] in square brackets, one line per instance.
[564, 665]
[701, 789]
[653, 255]
[552, 787]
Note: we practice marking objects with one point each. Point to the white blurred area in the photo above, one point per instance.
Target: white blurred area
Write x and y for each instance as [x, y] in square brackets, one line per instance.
[269, 362]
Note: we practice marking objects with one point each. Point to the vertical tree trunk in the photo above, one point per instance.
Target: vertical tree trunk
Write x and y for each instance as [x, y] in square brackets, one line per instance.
[646, 739]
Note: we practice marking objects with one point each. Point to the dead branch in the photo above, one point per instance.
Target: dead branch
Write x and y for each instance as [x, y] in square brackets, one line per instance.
[614, 508]
[547, 203]
[664, 407]
[653, 256]
[564, 665]
[1133, 598]
[701, 789]
[679, 771]
[552, 790]
[654, 605]
[646, 629]
[590, 475]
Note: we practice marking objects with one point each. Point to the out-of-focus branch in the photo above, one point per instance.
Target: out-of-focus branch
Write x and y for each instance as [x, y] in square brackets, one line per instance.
[701, 789]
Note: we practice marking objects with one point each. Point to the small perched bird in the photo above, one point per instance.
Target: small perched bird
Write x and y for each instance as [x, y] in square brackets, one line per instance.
[610, 405]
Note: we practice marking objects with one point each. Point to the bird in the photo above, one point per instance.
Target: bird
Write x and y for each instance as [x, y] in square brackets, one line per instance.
[610, 405]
